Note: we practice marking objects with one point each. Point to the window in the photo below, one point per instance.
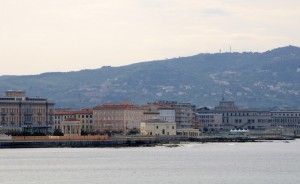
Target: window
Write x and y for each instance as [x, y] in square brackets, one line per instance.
[156, 127]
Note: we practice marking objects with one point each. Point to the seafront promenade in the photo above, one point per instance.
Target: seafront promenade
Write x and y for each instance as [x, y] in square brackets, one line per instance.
[120, 141]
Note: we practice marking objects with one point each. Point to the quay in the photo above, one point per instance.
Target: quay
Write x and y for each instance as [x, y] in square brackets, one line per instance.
[118, 141]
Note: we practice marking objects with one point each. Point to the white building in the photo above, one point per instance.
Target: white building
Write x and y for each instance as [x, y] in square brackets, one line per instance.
[167, 114]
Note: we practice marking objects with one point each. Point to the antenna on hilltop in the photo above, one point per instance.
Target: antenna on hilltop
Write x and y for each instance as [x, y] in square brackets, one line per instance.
[230, 49]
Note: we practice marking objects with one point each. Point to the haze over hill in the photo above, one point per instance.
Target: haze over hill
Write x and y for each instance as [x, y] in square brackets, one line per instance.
[259, 80]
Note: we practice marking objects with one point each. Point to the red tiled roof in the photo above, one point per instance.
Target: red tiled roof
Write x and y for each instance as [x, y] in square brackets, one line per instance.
[159, 106]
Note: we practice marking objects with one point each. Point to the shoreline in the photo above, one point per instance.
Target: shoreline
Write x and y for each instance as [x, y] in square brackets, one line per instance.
[115, 142]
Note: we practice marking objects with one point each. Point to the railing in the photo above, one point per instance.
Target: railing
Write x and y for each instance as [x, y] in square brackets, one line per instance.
[51, 138]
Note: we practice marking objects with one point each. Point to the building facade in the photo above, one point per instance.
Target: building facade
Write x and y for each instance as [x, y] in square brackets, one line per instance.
[288, 120]
[85, 117]
[19, 112]
[208, 121]
[188, 132]
[71, 127]
[166, 112]
[236, 118]
[184, 113]
[157, 127]
[117, 117]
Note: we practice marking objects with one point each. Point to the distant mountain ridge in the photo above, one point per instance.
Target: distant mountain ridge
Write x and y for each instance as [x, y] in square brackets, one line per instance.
[259, 80]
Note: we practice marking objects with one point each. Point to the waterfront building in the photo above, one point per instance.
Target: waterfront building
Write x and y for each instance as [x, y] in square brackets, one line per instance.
[288, 120]
[71, 127]
[254, 120]
[208, 121]
[22, 113]
[166, 112]
[85, 116]
[117, 117]
[158, 127]
[184, 113]
[241, 119]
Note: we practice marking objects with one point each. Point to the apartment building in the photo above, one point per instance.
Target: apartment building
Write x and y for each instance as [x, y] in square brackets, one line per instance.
[184, 113]
[22, 113]
[166, 112]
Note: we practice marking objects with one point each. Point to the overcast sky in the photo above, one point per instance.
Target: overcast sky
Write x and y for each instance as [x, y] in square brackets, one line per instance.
[39, 36]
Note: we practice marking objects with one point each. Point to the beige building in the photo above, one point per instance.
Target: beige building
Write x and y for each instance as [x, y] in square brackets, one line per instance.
[19, 112]
[158, 127]
[117, 117]
[71, 127]
[85, 117]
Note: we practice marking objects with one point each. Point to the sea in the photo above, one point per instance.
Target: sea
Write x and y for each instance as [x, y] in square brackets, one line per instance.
[274, 162]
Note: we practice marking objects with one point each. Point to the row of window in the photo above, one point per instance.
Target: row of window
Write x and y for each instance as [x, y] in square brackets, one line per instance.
[72, 116]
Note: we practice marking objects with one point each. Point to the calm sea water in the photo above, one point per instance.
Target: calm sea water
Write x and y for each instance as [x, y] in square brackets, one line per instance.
[213, 163]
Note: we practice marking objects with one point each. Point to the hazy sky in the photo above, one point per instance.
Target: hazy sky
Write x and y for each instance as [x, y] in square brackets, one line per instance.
[65, 35]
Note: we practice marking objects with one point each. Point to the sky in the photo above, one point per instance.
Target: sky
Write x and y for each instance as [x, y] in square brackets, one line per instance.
[38, 36]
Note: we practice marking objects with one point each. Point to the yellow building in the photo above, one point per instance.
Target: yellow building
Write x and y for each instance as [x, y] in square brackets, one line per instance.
[85, 117]
[158, 127]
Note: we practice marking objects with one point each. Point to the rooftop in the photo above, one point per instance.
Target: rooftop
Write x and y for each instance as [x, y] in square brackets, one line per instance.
[72, 112]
